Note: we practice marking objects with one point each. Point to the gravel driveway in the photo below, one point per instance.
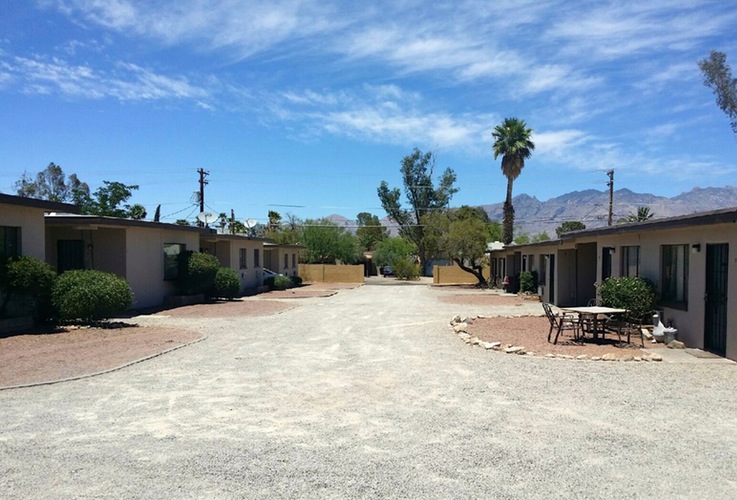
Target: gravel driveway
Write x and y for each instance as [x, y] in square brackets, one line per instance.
[367, 394]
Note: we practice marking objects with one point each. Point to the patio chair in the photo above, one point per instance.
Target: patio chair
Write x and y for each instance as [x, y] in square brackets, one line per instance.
[560, 321]
[587, 321]
[624, 324]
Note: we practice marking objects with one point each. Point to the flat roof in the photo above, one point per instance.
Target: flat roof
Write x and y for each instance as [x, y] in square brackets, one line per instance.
[103, 221]
[48, 206]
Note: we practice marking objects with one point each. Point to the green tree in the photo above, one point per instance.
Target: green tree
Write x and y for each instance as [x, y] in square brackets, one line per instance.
[544, 236]
[718, 77]
[326, 243]
[459, 235]
[522, 239]
[50, 184]
[289, 233]
[422, 195]
[274, 224]
[494, 231]
[391, 250]
[370, 231]
[641, 215]
[568, 226]
[107, 199]
[512, 141]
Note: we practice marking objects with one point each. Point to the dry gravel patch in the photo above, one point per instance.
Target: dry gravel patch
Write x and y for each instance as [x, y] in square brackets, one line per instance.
[73, 351]
[532, 333]
[239, 307]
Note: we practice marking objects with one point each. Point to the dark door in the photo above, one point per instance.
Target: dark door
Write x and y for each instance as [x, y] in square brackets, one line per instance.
[715, 322]
[69, 255]
[606, 262]
[551, 280]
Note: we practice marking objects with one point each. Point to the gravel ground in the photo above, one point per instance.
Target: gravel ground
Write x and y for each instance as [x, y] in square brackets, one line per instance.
[366, 394]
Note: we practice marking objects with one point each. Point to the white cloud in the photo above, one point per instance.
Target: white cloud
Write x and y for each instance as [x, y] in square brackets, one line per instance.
[126, 82]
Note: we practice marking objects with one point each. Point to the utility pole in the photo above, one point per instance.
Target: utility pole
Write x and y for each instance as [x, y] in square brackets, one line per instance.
[203, 183]
[610, 173]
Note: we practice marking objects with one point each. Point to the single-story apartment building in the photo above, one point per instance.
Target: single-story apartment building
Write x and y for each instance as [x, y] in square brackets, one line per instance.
[22, 225]
[282, 258]
[143, 252]
[247, 256]
[687, 258]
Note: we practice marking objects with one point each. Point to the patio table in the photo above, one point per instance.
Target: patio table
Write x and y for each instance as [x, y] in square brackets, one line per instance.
[594, 312]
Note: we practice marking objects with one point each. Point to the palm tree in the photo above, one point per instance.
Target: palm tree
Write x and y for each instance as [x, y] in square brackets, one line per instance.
[512, 141]
[643, 214]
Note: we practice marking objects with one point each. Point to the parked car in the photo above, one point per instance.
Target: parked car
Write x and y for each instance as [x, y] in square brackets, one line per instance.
[387, 271]
[268, 273]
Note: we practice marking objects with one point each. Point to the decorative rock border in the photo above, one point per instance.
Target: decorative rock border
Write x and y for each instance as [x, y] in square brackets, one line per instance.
[460, 324]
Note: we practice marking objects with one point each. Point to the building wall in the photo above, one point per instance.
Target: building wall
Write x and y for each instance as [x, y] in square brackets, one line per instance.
[104, 248]
[250, 277]
[452, 275]
[145, 262]
[31, 222]
[690, 321]
[327, 273]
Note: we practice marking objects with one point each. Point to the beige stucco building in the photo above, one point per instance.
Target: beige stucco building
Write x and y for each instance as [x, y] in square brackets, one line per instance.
[22, 225]
[692, 260]
[243, 254]
[142, 252]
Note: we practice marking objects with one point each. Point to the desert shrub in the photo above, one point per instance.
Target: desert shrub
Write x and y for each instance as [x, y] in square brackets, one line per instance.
[406, 269]
[633, 293]
[90, 295]
[282, 282]
[197, 272]
[528, 281]
[296, 280]
[30, 280]
[226, 284]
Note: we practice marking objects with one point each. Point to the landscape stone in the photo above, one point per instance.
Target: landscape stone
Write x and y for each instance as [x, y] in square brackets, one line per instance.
[637, 358]
[608, 357]
[456, 319]
[595, 358]
[474, 341]
[582, 356]
[656, 357]
[627, 358]
[492, 345]
[676, 344]
[550, 355]
[515, 349]
[565, 356]
[461, 327]
[464, 336]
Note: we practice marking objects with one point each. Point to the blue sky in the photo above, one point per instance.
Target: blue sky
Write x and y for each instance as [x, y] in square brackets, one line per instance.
[304, 107]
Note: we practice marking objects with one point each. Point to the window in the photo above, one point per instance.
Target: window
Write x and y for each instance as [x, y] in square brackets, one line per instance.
[630, 261]
[286, 261]
[243, 258]
[9, 242]
[171, 259]
[69, 255]
[674, 275]
[294, 260]
[256, 258]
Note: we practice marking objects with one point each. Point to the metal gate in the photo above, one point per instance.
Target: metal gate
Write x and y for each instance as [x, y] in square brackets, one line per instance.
[715, 321]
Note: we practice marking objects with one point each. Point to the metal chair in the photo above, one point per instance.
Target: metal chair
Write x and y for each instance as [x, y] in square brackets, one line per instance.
[560, 322]
[624, 324]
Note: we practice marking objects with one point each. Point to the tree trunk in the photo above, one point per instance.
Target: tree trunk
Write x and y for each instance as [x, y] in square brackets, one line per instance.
[477, 271]
[508, 224]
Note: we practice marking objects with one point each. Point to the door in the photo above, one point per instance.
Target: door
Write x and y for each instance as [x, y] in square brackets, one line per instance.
[606, 262]
[551, 278]
[69, 255]
[715, 321]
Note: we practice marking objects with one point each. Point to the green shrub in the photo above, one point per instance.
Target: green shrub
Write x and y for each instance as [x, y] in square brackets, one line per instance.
[31, 280]
[406, 269]
[227, 285]
[90, 295]
[197, 272]
[296, 280]
[528, 281]
[269, 282]
[633, 293]
[282, 282]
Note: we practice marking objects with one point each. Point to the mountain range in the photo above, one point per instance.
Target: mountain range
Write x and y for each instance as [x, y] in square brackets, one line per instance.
[591, 207]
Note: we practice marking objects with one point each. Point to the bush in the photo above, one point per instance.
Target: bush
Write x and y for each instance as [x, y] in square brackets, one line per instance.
[282, 282]
[32, 280]
[90, 295]
[197, 272]
[406, 269]
[226, 285]
[633, 293]
[296, 280]
[528, 281]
